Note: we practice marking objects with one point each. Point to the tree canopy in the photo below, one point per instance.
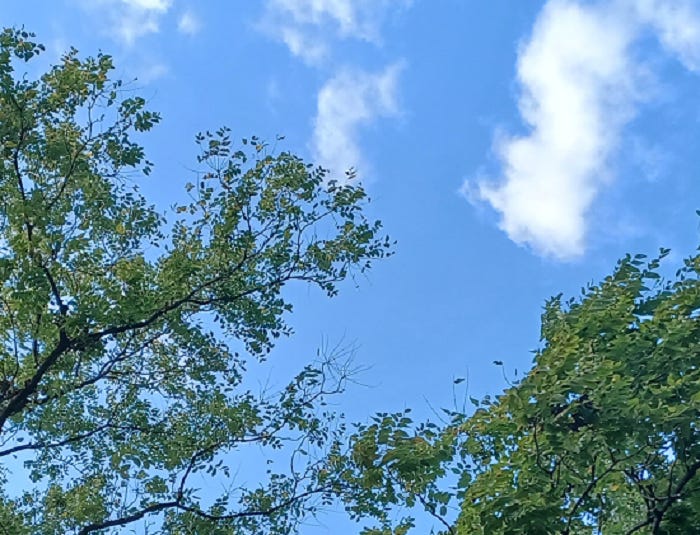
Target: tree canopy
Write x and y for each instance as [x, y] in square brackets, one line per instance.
[125, 334]
[601, 436]
[126, 330]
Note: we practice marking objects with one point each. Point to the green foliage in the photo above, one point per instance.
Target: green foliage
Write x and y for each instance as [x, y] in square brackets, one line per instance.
[602, 433]
[601, 436]
[121, 392]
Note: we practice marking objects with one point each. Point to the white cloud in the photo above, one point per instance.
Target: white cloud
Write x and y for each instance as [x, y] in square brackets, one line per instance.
[307, 26]
[580, 83]
[351, 17]
[348, 101]
[155, 5]
[353, 98]
[151, 72]
[189, 23]
[677, 24]
[305, 46]
[128, 20]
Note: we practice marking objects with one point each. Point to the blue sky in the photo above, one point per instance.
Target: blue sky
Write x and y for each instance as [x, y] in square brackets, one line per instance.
[514, 148]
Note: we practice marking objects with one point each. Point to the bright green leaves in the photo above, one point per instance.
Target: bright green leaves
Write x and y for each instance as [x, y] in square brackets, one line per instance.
[257, 221]
[120, 383]
[82, 503]
[394, 463]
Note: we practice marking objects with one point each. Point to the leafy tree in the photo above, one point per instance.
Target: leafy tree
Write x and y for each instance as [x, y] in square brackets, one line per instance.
[601, 436]
[122, 360]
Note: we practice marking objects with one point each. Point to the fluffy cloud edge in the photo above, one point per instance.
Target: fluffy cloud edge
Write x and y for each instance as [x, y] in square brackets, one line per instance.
[580, 84]
[347, 102]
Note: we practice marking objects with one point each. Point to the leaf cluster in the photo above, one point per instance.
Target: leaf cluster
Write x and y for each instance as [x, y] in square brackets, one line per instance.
[601, 436]
[125, 331]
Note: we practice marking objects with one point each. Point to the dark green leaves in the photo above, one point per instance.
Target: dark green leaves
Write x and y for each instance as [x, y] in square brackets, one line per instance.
[601, 436]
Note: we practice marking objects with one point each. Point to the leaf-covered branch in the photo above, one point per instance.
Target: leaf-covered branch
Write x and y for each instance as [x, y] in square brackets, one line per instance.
[126, 329]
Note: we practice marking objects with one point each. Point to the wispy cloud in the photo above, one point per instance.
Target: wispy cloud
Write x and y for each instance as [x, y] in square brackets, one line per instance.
[308, 27]
[189, 23]
[348, 101]
[580, 83]
[677, 25]
[351, 98]
[308, 47]
[127, 20]
[151, 72]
